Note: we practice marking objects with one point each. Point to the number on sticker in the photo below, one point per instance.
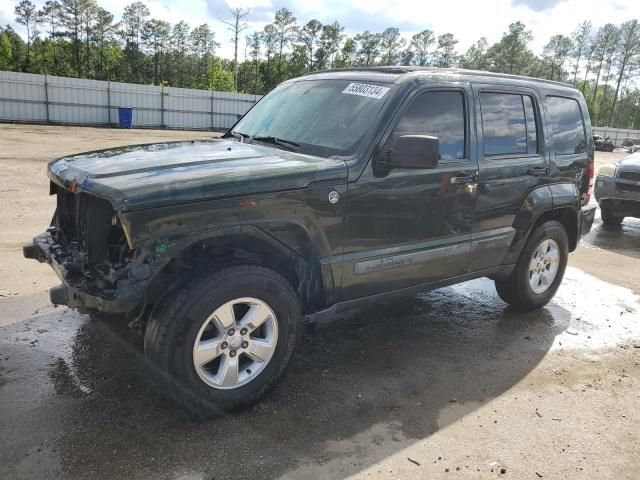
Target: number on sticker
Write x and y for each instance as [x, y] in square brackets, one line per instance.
[366, 90]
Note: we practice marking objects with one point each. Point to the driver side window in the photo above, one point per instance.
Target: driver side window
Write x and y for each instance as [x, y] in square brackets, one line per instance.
[439, 114]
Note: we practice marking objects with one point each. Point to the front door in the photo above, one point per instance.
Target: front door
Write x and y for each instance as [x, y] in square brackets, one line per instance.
[512, 164]
[407, 227]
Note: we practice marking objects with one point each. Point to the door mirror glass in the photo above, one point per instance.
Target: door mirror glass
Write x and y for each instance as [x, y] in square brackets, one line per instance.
[413, 151]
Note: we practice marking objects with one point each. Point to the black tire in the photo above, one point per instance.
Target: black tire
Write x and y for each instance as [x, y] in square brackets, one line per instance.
[609, 219]
[173, 327]
[516, 290]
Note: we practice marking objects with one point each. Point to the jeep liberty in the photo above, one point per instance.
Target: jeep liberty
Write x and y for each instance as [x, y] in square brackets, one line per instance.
[336, 190]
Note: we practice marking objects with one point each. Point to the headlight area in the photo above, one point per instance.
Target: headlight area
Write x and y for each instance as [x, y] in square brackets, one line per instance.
[607, 170]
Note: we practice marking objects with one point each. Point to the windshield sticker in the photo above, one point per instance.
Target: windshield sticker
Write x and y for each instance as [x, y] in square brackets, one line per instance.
[366, 90]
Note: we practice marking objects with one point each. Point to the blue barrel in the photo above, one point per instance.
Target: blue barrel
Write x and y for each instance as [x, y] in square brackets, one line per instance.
[125, 117]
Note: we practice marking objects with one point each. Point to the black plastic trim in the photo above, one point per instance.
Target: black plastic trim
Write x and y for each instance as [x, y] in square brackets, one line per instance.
[328, 315]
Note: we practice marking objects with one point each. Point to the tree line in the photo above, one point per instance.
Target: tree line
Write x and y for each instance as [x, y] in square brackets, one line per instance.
[79, 38]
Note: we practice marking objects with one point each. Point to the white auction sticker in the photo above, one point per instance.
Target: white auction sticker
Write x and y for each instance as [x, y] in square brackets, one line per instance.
[366, 90]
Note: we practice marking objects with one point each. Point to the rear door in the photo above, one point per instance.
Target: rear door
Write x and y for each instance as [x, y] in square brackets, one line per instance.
[570, 151]
[512, 162]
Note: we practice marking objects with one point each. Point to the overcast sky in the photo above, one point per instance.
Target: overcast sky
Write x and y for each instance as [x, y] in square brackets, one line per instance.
[468, 20]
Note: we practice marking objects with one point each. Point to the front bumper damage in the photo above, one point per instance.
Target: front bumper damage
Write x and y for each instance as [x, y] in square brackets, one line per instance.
[75, 290]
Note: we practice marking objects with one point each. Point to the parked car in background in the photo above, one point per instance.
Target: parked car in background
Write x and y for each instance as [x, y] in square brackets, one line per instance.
[617, 190]
[336, 190]
[603, 144]
[632, 144]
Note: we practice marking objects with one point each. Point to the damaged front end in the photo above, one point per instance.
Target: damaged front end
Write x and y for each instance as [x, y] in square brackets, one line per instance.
[87, 247]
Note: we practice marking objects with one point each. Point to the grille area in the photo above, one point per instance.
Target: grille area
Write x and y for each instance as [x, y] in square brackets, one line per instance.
[86, 231]
[633, 176]
[624, 187]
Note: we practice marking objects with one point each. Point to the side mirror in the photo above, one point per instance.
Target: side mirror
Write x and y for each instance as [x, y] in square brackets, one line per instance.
[413, 151]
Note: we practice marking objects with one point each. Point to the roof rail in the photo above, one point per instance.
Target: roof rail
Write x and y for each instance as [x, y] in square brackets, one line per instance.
[400, 70]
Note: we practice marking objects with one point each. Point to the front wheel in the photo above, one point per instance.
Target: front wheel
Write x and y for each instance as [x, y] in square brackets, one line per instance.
[224, 338]
[539, 270]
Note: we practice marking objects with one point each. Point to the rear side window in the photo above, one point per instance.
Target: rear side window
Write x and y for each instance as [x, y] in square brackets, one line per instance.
[567, 126]
[508, 124]
[438, 114]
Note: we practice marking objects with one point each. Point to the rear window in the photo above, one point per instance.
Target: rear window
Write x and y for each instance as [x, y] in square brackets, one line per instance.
[508, 124]
[567, 126]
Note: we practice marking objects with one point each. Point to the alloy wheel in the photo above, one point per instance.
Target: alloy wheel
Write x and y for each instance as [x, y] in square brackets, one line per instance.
[235, 343]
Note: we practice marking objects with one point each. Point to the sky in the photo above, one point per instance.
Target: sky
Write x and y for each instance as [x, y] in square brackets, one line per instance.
[468, 20]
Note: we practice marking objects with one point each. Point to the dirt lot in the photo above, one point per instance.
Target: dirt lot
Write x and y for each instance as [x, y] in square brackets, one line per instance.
[449, 384]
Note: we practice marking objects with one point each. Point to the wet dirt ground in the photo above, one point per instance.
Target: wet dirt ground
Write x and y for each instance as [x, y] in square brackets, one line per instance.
[448, 384]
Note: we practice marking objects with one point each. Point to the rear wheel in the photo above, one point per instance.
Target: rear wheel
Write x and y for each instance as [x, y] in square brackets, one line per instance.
[539, 270]
[223, 339]
[608, 218]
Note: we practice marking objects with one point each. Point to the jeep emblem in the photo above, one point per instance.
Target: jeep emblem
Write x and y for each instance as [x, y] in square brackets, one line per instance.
[334, 197]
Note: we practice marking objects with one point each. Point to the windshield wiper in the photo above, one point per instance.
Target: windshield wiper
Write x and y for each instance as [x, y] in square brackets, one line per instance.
[288, 144]
[239, 136]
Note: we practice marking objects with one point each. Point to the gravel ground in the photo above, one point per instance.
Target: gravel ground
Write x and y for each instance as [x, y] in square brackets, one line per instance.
[448, 384]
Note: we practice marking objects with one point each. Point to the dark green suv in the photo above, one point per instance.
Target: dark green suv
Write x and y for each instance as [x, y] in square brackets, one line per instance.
[336, 190]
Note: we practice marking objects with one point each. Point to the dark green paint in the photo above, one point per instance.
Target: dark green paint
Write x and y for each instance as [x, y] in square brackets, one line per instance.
[390, 230]
[146, 176]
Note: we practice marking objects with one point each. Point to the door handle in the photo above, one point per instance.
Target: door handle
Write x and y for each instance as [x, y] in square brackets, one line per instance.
[464, 179]
[538, 171]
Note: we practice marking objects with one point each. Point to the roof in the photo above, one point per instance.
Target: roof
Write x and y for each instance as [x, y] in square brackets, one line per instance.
[399, 71]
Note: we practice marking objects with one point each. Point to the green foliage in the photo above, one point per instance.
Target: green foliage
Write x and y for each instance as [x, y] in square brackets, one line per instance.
[6, 55]
[555, 55]
[476, 57]
[220, 79]
[80, 38]
[308, 37]
[510, 54]
[421, 47]
[368, 48]
[390, 44]
[445, 56]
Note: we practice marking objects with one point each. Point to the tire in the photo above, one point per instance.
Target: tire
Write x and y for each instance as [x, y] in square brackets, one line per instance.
[609, 219]
[517, 290]
[185, 317]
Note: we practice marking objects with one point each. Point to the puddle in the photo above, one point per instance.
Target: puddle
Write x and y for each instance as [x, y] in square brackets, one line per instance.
[624, 240]
[585, 313]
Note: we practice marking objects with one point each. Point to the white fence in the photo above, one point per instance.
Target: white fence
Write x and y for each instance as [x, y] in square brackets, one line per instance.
[30, 98]
[617, 134]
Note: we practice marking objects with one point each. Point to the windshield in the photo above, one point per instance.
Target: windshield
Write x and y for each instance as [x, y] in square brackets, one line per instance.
[317, 117]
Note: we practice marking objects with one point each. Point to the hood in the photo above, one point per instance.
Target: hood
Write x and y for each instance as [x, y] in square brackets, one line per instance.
[144, 176]
[631, 162]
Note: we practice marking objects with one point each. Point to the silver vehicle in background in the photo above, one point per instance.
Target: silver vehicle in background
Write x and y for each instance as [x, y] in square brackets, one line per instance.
[617, 189]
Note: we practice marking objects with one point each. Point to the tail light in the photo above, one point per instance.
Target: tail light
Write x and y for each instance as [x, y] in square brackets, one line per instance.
[591, 176]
